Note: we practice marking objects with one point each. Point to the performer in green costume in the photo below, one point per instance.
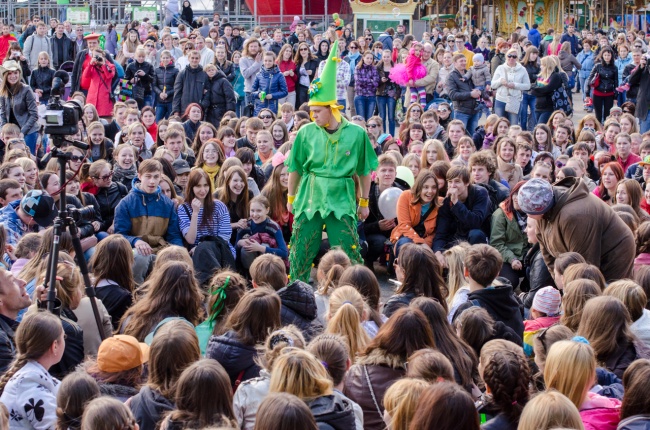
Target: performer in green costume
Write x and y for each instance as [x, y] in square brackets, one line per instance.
[325, 155]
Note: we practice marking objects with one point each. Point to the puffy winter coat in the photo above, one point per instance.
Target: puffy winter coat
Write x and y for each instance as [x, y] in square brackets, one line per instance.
[586, 60]
[164, 79]
[299, 308]
[270, 81]
[600, 413]
[537, 275]
[236, 358]
[459, 90]
[98, 81]
[144, 81]
[41, 79]
[191, 86]
[222, 98]
[620, 64]
[366, 80]
[382, 370]
[108, 199]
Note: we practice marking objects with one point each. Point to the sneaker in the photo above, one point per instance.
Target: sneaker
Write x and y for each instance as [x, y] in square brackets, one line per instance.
[588, 102]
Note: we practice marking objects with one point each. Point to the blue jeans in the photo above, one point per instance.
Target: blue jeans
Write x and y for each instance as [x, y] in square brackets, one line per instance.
[365, 106]
[645, 123]
[527, 102]
[386, 106]
[542, 117]
[470, 121]
[401, 242]
[621, 98]
[500, 109]
[584, 88]
[342, 102]
[30, 141]
[163, 110]
[239, 106]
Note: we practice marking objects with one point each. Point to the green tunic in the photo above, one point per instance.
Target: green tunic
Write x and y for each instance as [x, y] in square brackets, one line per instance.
[326, 163]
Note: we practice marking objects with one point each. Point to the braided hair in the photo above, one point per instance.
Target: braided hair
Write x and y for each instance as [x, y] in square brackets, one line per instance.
[34, 337]
[507, 374]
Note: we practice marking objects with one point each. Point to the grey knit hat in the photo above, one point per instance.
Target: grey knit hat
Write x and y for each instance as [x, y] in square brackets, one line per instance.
[536, 197]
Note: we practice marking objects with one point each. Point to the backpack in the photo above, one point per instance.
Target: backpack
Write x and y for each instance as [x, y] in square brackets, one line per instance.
[560, 100]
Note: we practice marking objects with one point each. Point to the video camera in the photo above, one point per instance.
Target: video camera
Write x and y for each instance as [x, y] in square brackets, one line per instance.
[61, 119]
[87, 213]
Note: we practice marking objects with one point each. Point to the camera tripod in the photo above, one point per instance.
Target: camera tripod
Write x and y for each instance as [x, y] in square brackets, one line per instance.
[66, 220]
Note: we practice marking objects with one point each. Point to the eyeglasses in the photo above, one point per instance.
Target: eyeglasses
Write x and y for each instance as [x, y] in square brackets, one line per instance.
[221, 42]
[192, 37]
[104, 178]
[265, 117]
[512, 56]
[358, 118]
[77, 158]
[459, 41]
[354, 47]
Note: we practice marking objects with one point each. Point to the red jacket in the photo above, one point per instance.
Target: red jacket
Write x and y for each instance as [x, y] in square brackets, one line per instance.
[5, 40]
[98, 81]
[291, 80]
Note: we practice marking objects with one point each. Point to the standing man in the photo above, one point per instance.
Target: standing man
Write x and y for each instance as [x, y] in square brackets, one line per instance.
[293, 39]
[463, 94]
[400, 32]
[82, 61]
[462, 49]
[207, 55]
[79, 42]
[571, 219]
[572, 38]
[62, 47]
[325, 156]
[37, 43]
[13, 299]
[169, 46]
[278, 42]
[641, 77]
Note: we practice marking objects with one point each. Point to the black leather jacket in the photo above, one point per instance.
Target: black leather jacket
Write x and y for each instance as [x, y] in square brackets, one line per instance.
[108, 198]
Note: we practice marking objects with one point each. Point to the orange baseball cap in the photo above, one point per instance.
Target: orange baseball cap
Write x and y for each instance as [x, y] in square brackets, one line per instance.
[120, 353]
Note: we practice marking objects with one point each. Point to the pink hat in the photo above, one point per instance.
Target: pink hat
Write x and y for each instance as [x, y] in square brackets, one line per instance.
[548, 301]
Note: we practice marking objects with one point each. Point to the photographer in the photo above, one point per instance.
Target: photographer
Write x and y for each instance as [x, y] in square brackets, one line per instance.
[82, 62]
[140, 73]
[15, 53]
[97, 77]
[17, 103]
[641, 79]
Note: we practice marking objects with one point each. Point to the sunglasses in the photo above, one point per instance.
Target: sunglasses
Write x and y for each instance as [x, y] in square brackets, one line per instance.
[192, 37]
[304, 49]
[443, 110]
[104, 178]
[354, 47]
[148, 46]
[265, 117]
[559, 164]
[77, 158]
[187, 48]
[372, 126]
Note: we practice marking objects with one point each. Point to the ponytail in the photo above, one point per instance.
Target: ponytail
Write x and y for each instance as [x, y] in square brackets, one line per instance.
[331, 267]
[332, 278]
[346, 310]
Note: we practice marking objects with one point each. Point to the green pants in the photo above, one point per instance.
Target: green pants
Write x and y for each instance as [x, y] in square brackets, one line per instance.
[306, 240]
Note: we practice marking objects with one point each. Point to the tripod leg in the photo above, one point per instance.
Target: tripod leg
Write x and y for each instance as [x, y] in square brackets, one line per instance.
[53, 261]
[83, 266]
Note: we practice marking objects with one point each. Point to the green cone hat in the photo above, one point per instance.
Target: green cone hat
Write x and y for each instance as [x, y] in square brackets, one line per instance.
[322, 90]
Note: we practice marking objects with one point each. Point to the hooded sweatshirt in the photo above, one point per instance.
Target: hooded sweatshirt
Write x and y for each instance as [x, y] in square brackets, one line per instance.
[148, 407]
[535, 37]
[333, 411]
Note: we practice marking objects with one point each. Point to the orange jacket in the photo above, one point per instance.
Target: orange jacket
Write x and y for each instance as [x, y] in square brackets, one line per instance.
[408, 216]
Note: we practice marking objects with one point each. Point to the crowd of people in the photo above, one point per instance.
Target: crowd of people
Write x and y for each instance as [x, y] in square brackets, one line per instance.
[520, 255]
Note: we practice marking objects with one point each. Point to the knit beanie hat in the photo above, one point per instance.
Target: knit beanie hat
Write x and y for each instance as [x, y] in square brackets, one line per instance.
[548, 301]
[478, 59]
[536, 197]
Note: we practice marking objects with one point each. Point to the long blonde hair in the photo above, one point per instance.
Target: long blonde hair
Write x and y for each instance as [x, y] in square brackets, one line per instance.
[299, 373]
[401, 401]
[547, 67]
[346, 315]
[571, 369]
[455, 257]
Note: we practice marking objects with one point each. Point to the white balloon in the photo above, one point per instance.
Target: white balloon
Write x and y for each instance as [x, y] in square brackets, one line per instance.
[396, 12]
[388, 202]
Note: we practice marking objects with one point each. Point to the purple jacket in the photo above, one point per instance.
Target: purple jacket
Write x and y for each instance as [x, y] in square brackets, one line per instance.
[366, 81]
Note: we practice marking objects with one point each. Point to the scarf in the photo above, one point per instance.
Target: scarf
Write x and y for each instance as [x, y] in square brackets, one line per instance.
[212, 173]
[521, 218]
[119, 173]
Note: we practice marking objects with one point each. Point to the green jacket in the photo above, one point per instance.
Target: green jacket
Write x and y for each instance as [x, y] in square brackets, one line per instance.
[507, 237]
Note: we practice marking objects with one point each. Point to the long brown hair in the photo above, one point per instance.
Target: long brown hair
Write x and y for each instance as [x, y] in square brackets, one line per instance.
[113, 260]
[173, 291]
[75, 391]
[33, 267]
[362, 278]
[256, 315]
[637, 390]
[576, 294]
[406, 331]
[203, 395]
[174, 347]
[283, 411]
[605, 323]
[223, 193]
[445, 406]
[422, 273]
[107, 413]
[216, 143]
[447, 341]
[277, 196]
[208, 203]
[421, 179]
